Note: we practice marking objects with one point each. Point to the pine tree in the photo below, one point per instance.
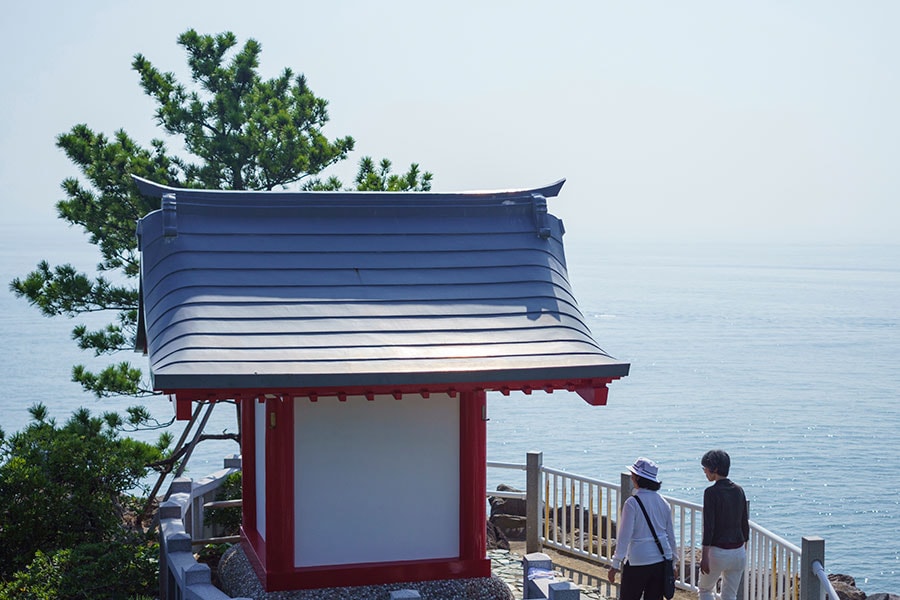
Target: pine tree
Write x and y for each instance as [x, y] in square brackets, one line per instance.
[238, 130]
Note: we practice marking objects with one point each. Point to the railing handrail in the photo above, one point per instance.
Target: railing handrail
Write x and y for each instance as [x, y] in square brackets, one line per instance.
[584, 478]
[212, 482]
[510, 495]
[818, 570]
[236, 503]
[774, 536]
[684, 503]
[512, 466]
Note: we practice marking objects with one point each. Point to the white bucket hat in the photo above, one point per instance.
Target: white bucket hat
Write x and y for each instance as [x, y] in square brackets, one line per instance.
[646, 468]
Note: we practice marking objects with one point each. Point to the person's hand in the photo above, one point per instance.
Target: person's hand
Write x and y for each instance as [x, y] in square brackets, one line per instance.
[612, 574]
[704, 564]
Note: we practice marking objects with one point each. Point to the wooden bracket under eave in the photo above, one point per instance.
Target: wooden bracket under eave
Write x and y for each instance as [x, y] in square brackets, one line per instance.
[183, 409]
[595, 396]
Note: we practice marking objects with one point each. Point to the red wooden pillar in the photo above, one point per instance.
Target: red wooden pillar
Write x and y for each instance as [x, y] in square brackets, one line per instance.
[472, 473]
[280, 485]
[248, 470]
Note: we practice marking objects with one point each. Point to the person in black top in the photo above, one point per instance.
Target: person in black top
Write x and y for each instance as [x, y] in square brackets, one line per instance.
[726, 529]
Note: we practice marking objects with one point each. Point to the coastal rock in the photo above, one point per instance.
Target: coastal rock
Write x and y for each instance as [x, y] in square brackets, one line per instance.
[496, 539]
[845, 586]
[838, 577]
[512, 526]
[508, 514]
[507, 506]
[883, 596]
[600, 524]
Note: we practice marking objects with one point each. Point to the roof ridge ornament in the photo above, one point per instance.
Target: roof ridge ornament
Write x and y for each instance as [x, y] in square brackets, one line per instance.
[170, 217]
[539, 212]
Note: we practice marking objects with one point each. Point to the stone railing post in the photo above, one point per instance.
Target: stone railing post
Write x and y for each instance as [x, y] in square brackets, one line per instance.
[533, 464]
[172, 538]
[812, 549]
[626, 487]
[531, 562]
[163, 567]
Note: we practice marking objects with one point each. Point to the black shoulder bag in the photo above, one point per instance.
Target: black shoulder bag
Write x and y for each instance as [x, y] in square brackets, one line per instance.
[668, 566]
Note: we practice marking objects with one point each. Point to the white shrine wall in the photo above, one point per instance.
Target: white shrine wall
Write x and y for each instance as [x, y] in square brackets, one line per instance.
[375, 481]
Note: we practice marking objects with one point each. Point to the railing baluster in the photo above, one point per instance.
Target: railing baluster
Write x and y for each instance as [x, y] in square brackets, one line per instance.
[581, 515]
[554, 493]
[612, 509]
[776, 589]
[760, 567]
[546, 507]
[561, 513]
[590, 535]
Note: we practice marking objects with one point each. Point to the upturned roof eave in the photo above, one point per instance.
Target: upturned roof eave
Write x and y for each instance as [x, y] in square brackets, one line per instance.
[508, 376]
[188, 387]
[157, 190]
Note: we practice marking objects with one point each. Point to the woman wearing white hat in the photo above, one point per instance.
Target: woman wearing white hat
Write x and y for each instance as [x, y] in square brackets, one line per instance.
[638, 555]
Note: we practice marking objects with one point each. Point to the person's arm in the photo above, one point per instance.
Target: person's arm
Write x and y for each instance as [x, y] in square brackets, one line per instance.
[623, 539]
[709, 519]
[745, 519]
[670, 533]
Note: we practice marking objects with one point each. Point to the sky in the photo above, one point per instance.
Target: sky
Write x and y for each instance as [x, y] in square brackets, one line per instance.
[670, 121]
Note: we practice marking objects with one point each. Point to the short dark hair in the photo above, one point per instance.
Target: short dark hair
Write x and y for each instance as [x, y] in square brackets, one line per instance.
[647, 484]
[717, 461]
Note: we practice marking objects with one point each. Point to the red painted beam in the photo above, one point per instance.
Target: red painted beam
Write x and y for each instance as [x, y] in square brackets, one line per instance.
[451, 389]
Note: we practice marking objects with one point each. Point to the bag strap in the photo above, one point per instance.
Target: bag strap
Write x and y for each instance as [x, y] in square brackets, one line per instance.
[653, 531]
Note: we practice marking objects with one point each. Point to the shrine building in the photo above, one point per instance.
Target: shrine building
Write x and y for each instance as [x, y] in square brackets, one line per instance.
[360, 333]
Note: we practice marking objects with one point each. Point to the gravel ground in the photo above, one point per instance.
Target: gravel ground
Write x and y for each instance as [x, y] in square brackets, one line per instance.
[239, 581]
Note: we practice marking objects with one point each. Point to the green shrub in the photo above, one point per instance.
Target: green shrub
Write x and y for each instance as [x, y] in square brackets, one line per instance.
[228, 519]
[96, 571]
[61, 487]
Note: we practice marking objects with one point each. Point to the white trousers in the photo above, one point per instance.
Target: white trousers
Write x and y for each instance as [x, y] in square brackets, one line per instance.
[729, 564]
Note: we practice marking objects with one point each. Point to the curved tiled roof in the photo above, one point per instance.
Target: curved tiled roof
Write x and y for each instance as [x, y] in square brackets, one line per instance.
[360, 291]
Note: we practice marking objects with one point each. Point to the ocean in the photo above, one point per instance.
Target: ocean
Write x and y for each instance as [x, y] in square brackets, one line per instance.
[786, 356]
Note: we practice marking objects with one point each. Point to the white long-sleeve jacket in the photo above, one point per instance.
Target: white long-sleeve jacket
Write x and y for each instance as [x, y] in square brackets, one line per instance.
[635, 542]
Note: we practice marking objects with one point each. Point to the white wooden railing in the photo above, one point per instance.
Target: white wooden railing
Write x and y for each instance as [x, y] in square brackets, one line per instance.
[576, 515]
